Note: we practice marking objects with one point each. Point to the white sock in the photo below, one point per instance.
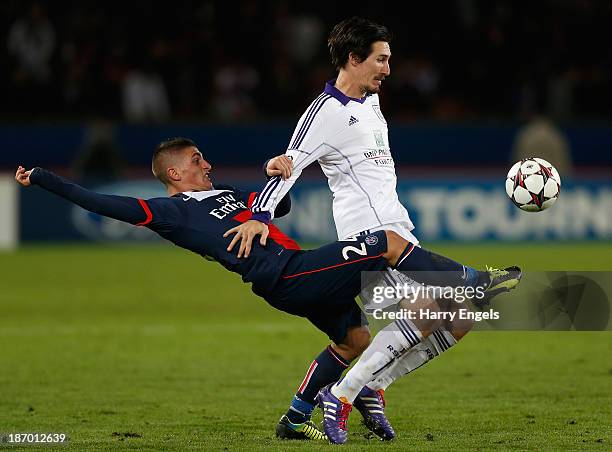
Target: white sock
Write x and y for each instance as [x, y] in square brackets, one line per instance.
[388, 345]
[438, 342]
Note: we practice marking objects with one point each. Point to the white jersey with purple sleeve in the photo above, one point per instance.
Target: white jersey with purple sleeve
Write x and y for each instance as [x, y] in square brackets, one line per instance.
[348, 137]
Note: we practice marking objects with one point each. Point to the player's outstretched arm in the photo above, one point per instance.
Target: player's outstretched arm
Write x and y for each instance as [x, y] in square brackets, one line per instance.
[123, 208]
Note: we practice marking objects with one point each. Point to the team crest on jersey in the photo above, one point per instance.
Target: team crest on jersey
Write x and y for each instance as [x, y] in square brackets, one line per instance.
[376, 109]
[371, 240]
[379, 138]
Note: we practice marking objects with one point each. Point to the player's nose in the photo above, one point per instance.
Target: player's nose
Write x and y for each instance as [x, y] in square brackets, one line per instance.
[386, 70]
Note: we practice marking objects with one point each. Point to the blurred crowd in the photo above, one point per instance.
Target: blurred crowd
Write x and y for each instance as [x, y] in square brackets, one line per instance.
[251, 60]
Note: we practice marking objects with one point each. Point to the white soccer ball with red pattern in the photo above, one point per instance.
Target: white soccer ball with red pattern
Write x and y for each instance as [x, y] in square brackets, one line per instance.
[533, 184]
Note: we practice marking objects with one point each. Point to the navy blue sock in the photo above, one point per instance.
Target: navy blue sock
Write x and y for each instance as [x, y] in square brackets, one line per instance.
[325, 369]
[434, 269]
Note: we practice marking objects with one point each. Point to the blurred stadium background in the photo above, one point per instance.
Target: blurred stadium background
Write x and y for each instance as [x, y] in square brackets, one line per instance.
[474, 87]
[88, 90]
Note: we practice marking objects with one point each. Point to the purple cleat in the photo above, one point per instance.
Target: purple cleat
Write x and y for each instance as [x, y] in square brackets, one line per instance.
[335, 415]
[371, 405]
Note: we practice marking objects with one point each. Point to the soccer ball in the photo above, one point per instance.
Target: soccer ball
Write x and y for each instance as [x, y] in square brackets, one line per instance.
[533, 184]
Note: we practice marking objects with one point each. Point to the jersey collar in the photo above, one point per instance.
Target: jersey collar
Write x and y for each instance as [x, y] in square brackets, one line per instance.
[198, 195]
[343, 98]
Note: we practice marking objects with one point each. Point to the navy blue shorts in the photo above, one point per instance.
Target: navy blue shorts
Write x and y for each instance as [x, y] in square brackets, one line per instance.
[322, 284]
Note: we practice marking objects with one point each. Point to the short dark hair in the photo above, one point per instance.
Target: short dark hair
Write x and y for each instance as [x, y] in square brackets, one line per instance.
[355, 35]
[164, 150]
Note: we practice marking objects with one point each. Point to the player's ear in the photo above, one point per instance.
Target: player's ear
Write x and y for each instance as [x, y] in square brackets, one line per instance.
[353, 59]
[173, 174]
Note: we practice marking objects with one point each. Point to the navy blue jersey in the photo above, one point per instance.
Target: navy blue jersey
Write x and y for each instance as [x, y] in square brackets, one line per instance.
[192, 220]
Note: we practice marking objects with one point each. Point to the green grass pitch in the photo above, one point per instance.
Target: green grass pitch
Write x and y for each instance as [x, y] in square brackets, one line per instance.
[155, 348]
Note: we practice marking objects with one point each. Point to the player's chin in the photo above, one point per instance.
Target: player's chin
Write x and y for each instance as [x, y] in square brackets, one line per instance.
[374, 88]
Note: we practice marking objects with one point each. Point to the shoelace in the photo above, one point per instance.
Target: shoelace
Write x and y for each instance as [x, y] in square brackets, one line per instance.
[381, 396]
[343, 416]
[314, 432]
[496, 271]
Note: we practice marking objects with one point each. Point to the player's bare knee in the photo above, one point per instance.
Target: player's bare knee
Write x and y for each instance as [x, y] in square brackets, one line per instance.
[359, 347]
[424, 313]
[360, 339]
[356, 341]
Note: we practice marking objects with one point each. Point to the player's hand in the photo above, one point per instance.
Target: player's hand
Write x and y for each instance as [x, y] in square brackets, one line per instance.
[247, 232]
[23, 177]
[281, 165]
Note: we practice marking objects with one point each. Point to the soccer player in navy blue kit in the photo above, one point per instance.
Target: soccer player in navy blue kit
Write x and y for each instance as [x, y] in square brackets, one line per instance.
[320, 284]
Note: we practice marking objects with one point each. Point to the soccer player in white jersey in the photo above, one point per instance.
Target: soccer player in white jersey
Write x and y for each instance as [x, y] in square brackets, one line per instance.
[345, 131]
